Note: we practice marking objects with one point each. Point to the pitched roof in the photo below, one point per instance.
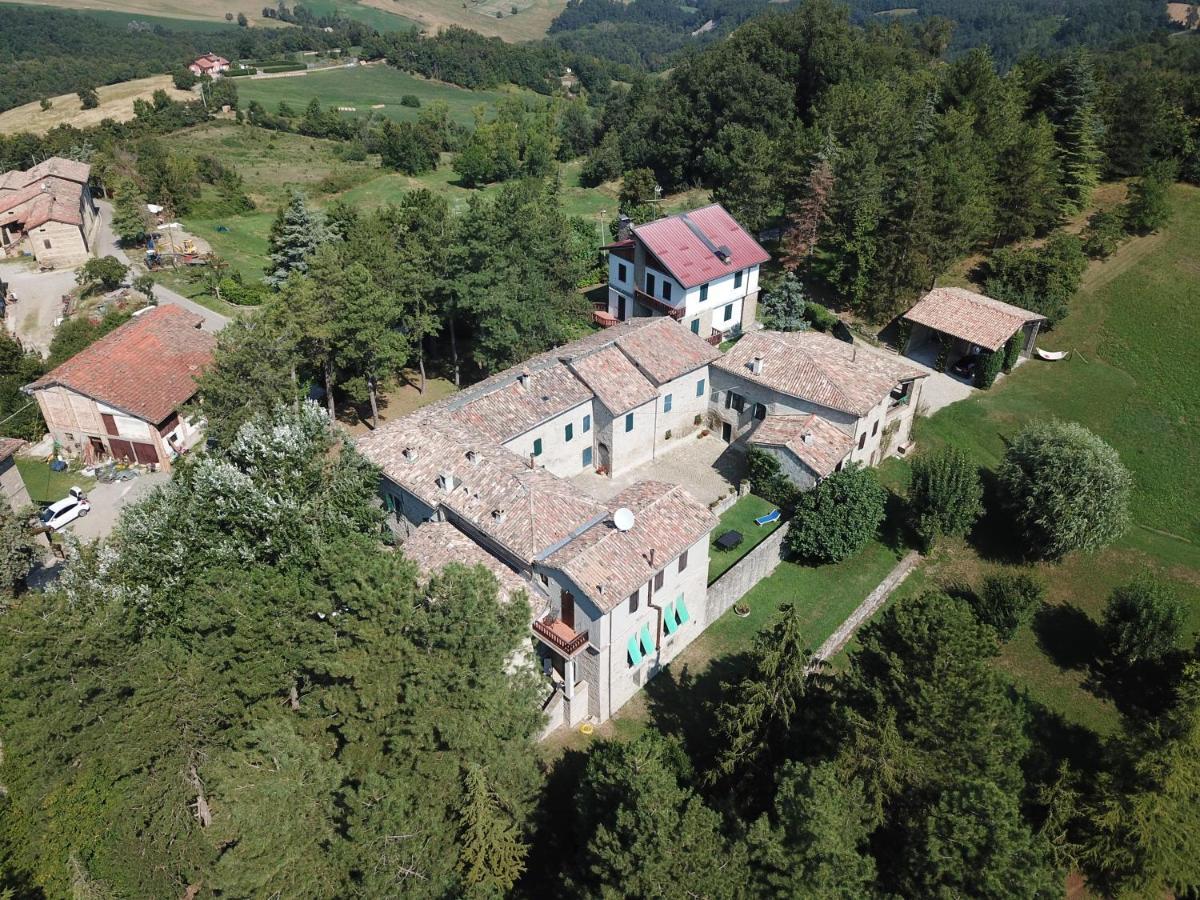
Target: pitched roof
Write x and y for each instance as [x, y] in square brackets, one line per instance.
[813, 440]
[516, 407]
[970, 316]
[54, 167]
[608, 564]
[818, 368]
[49, 200]
[527, 511]
[689, 244]
[147, 368]
[664, 349]
[434, 545]
[9, 447]
[615, 380]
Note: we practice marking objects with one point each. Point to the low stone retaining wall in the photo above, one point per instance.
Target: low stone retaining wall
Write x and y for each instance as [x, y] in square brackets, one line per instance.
[867, 608]
[745, 574]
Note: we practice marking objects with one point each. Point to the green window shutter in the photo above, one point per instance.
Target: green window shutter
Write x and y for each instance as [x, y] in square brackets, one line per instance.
[682, 610]
[635, 652]
[669, 624]
[647, 640]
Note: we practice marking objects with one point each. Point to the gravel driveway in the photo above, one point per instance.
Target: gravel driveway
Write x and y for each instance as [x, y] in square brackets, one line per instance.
[39, 302]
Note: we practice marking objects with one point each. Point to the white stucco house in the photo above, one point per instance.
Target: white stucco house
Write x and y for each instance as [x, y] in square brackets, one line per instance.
[700, 268]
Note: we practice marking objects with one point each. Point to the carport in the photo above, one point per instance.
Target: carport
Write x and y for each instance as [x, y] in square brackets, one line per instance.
[967, 323]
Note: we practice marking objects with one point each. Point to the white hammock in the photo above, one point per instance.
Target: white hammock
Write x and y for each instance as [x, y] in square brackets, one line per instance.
[1051, 355]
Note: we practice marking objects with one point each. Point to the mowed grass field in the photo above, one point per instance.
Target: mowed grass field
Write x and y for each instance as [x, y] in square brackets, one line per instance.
[116, 102]
[530, 22]
[1134, 379]
[366, 86]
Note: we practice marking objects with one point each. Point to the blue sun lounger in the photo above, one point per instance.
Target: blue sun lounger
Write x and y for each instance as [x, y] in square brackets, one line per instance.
[769, 519]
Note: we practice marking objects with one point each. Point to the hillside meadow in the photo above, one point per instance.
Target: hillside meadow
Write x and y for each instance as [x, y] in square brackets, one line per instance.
[116, 103]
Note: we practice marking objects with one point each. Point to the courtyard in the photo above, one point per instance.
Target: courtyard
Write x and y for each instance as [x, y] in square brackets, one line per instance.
[709, 468]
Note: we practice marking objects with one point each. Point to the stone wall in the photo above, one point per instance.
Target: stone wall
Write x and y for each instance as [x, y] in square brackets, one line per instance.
[745, 574]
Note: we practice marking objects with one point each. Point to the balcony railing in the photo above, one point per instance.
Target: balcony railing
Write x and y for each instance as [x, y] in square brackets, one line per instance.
[716, 338]
[559, 635]
[675, 312]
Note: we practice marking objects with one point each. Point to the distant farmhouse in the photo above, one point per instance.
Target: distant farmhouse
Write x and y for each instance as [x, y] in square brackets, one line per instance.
[503, 473]
[48, 212]
[119, 398]
[209, 64]
[699, 267]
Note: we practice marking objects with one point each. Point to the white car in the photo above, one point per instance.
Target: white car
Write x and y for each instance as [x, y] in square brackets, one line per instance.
[65, 511]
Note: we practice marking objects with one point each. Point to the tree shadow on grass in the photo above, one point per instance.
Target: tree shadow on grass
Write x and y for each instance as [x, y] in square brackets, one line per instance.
[994, 538]
[895, 532]
[1067, 635]
[1144, 690]
[682, 703]
[1056, 740]
[557, 842]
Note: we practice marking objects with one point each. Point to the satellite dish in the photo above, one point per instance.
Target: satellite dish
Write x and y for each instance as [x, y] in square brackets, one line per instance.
[623, 519]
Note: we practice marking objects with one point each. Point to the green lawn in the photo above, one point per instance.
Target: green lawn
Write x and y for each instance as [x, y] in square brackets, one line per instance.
[367, 86]
[1135, 382]
[47, 486]
[739, 517]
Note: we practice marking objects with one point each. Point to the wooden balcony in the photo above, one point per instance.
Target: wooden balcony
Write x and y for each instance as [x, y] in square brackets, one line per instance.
[675, 312]
[559, 635]
[716, 338]
[604, 318]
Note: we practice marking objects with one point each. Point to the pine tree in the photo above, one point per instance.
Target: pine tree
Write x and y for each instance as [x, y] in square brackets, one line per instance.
[492, 855]
[741, 164]
[1077, 130]
[130, 217]
[295, 234]
[783, 305]
[806, 220]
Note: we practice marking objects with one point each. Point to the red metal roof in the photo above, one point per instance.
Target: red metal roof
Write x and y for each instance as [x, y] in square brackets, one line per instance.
[147, 367]
[687, 245]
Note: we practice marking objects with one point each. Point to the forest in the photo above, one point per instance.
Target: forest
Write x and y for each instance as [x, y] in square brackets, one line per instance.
[247, 690]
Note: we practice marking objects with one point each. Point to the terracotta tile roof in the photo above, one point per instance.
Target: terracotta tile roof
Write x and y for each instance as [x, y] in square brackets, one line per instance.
[525, 511]
[146, 368]
[825, 447]
[687, 245]
[970, 316]
[48, 200]
[435, 545]
[615, 380]
[54, 167]
[9, 446]
[608, 565]
[516, 407]
[665, 349]
[818, 368]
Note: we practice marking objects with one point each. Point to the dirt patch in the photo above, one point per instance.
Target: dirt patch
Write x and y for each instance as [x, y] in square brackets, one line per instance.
[116, 102]
[1183, 13]
[531, 21]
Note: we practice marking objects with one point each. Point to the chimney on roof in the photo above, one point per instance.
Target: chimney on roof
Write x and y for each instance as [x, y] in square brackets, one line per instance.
[724, 254]
[624, 227]
[410, 454]
[497, 515]
[523, 379]
[807, 438]
[532, 461]
[756, 365]
[472, 457]
[446, 481]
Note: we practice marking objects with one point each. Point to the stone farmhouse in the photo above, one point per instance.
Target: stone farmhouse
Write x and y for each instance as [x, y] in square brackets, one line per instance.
[209, 64]
[966, 324]
[619, 587]
[814, 402]
[699, 268]
[119, 398]
[48, 212]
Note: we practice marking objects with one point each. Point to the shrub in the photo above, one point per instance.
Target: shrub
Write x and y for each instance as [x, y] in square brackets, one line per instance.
[1065, 488]
[1147, 208]
[838, 517]
[988, 368]
[89, 98]
[1012, 350]
[241, 294]
[184, 79]
[144, 284]
[105, 273]
[1039, 278]
[46, 103]
[411, 100]
[1142, 622]
[945, 497]
[819, 317]
[1104, 233]
[943, 357]
[1007, 600]
[768, 481]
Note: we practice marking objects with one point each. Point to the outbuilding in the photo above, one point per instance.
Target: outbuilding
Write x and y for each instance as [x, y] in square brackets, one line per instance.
[949, 323]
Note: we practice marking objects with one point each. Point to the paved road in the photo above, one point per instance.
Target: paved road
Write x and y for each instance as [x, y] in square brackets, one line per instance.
[107, 245]
[107, 502]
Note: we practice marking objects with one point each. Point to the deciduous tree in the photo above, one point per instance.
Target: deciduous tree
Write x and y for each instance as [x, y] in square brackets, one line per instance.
[838, 517]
